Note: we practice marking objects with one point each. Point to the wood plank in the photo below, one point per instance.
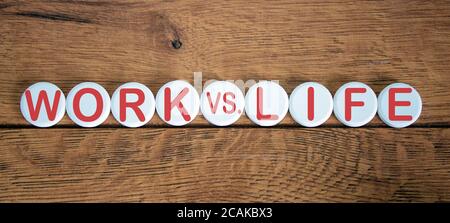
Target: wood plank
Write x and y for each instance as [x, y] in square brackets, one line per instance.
[225, 165]
[332, 42]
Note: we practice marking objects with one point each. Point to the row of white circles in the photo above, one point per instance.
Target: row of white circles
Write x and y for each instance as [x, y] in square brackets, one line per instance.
[222, 103]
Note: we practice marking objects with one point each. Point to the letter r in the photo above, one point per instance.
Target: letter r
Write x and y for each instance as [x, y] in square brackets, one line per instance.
[133, 105]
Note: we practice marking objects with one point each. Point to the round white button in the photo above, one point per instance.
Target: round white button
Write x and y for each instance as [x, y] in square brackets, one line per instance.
[355, 104]
[222, 103]
[177, 103]
[399, 105]
[133, 104]
[310, 104]
[266, 103]
[88, 104]
[43, 104]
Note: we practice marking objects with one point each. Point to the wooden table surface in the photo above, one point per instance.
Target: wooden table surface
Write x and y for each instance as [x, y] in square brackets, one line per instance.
[154, 42]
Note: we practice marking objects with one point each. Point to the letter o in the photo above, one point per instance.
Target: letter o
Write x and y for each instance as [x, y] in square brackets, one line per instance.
[88, 104]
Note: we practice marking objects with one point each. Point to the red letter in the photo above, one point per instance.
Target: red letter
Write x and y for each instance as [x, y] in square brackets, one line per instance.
[349, 103]
[259, 105]
[310, 103]
[231, 103]
[213, 107]
[168, 105]
[76, 104]
[133, 105]
[34, 112]
[393, 103]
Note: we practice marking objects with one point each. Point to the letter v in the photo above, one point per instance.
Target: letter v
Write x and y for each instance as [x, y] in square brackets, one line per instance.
[213, 107]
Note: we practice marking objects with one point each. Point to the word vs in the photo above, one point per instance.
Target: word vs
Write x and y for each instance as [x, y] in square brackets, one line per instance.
[222, 103]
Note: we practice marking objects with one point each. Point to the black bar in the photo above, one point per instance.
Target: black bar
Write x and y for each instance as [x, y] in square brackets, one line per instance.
[226, 212]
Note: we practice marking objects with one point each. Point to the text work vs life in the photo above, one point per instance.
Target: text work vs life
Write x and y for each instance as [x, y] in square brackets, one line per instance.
[222, 103]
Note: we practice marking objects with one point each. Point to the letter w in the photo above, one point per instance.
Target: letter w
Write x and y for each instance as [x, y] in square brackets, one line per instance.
[42, 97]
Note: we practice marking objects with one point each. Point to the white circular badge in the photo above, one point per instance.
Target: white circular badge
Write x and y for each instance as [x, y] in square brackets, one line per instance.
[311, 104]
[399, 105]
[88, 104]
[177, 103]
[266, 103]
[222, 103]
[43, 104]
[355, 104]
[133, 104]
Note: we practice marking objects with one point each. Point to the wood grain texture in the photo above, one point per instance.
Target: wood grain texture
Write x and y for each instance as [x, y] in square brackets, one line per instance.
[332, 42]
[225, 165]
[153, 42]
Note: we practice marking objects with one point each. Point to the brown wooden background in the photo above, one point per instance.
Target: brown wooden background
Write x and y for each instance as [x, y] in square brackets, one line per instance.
[153, 42]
